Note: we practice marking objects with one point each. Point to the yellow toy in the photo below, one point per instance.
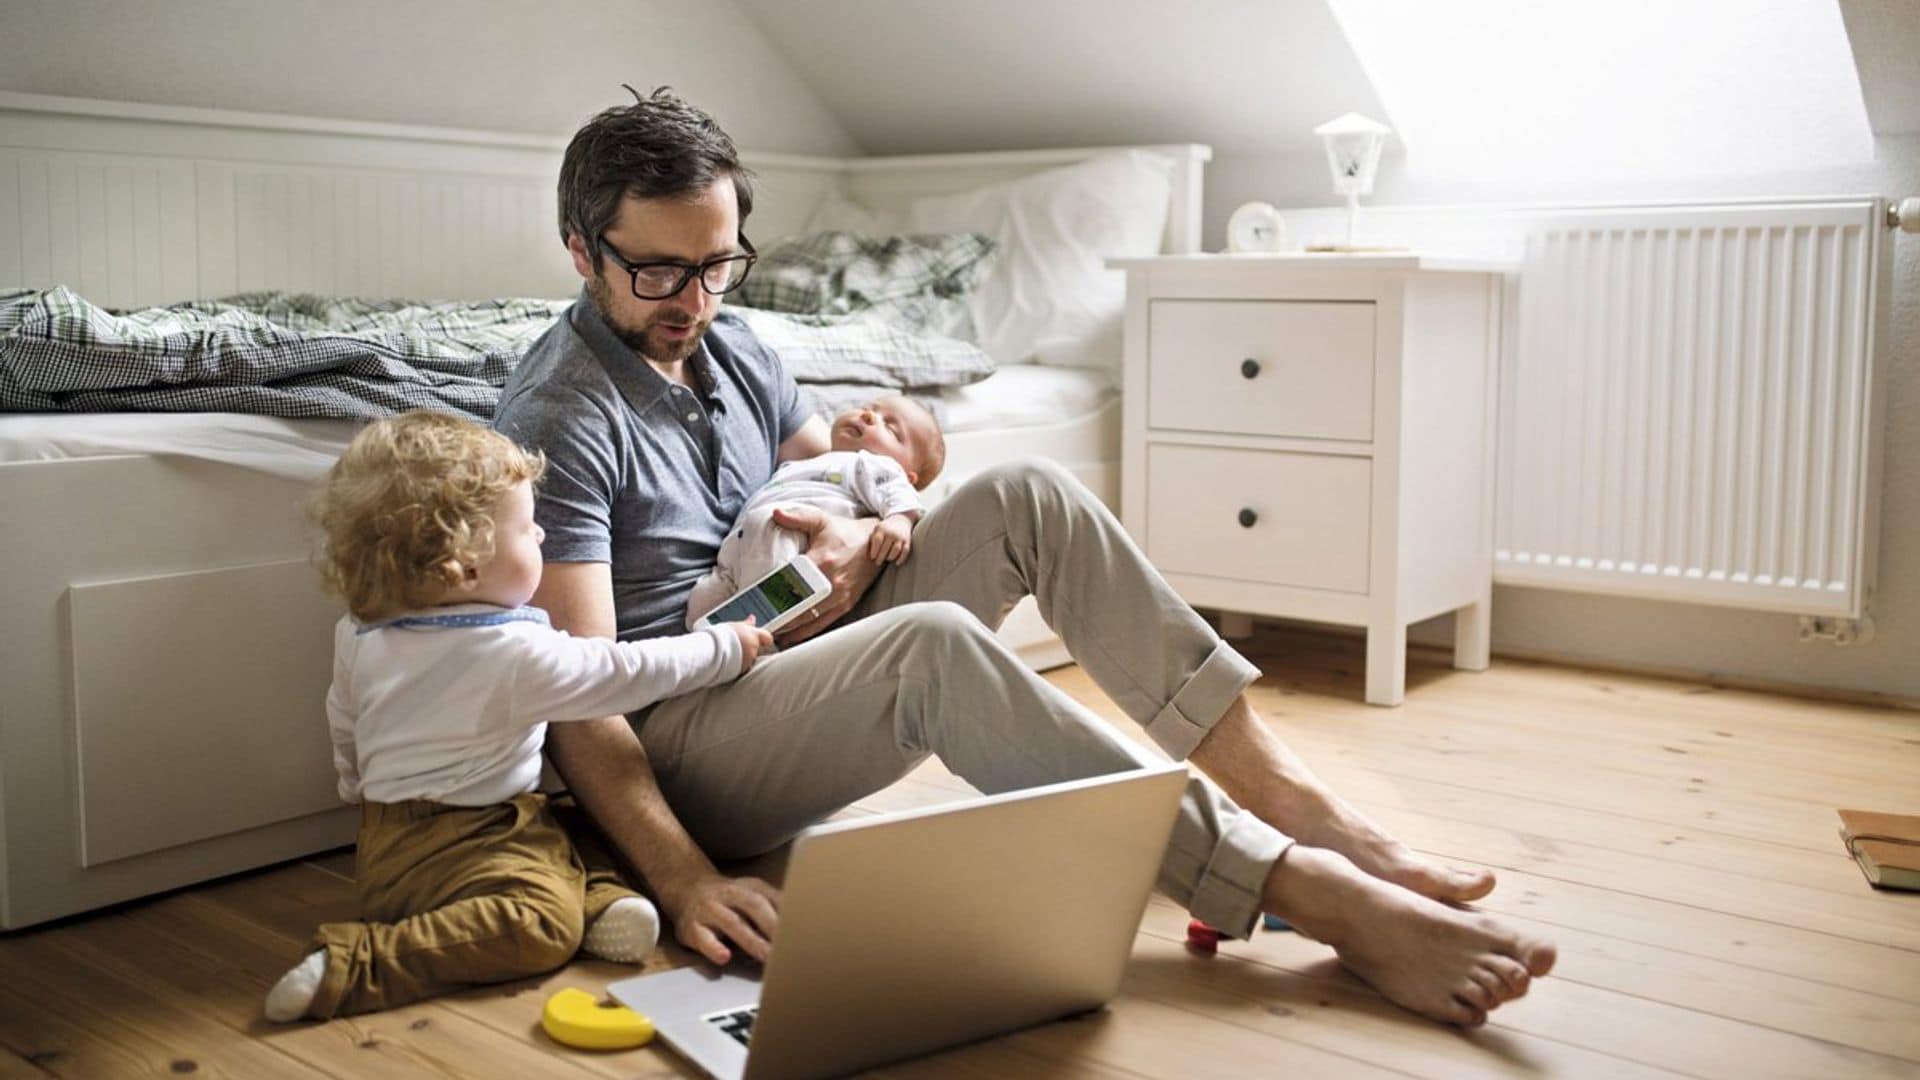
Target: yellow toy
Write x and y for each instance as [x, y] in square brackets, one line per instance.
[577, 1018]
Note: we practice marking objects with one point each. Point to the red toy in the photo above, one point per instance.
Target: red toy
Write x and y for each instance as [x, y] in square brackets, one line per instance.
[1202, 940]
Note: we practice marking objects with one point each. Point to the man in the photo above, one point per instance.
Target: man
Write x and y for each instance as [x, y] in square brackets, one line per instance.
[660, 414]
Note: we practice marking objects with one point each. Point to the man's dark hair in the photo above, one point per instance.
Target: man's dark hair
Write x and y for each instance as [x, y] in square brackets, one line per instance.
[657, 147]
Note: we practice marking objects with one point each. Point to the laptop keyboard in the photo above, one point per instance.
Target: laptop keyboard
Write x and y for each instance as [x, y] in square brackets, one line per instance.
[737, 1023]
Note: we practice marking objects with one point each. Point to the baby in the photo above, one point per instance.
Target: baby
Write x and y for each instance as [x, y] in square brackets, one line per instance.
[443, 684]
[884, 453]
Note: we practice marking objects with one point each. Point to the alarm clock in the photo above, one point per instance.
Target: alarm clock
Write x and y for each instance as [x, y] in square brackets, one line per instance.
[1256, 228]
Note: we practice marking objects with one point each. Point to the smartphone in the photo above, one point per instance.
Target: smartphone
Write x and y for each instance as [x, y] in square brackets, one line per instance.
[775, 600]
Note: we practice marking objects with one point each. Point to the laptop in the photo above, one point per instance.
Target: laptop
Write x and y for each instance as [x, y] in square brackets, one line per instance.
[912, 932]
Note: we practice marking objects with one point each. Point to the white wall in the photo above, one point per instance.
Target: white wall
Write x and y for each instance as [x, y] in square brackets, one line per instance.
[1680, 637]
[499, 65]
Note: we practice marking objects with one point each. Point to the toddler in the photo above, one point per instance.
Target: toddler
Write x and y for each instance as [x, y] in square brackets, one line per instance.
[883, 455]
[443, 684]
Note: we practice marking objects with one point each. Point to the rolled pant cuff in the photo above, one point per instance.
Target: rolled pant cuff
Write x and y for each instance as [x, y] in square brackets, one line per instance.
[1198, 705]
[332, 991]
[1228, 896]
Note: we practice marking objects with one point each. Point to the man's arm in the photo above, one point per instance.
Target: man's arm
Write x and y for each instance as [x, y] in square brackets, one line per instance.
[607, 770]
[813, 439]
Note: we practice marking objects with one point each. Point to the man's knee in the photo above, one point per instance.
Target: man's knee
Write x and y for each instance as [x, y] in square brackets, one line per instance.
[940, 619]
[1033, 474]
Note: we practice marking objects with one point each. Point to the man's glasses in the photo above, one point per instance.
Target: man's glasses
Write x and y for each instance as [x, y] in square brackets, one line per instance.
[661, 280]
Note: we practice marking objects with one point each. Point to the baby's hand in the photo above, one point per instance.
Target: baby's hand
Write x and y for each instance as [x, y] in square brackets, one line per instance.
[752, 640]
[891, 539]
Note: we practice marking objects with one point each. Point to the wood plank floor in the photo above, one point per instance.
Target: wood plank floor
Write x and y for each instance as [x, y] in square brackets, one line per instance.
[1676, 840]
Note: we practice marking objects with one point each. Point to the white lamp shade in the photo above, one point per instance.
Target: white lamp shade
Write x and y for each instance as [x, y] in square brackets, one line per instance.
[1353, 152]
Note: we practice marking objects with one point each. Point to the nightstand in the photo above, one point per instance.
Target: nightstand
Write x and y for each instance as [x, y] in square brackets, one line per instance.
[1311, 437]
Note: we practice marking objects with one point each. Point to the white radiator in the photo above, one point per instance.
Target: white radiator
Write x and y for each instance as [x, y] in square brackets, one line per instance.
[1689, 408]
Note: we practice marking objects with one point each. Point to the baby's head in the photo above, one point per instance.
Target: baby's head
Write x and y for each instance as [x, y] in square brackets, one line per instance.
[426, 509]
[898, 428]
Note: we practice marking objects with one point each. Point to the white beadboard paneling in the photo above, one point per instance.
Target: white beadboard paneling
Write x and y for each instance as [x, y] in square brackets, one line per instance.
[36, 219]
[11, 257]
[214, 267]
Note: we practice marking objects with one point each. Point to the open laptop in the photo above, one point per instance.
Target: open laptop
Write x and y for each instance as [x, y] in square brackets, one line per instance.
[904, 934]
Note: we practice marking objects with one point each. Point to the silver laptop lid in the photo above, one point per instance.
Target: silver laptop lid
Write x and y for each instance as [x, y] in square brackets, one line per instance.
[908, 933]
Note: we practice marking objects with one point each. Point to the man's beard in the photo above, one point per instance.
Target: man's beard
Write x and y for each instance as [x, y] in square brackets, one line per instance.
[641, 339]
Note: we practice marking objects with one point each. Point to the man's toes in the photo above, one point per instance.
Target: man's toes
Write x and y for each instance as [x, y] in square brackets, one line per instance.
[1460, 1011]
[1536, 956]
[1539, 958]
[1512, 973]
[1476, 995]
[1472, 884]
[1496, 990]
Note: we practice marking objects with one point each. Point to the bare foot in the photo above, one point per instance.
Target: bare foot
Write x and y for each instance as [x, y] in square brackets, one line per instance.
[1452, 966]
[1259, 772]
[1343, 829]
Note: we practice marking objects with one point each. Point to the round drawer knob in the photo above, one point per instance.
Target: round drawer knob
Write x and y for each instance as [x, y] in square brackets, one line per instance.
[1249, 367]
[1247, 518]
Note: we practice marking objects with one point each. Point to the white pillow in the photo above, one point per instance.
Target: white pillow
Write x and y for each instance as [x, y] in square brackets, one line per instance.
[1048, 295]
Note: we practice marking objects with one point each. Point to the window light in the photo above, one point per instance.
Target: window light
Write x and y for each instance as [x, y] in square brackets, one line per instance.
[1571, 89]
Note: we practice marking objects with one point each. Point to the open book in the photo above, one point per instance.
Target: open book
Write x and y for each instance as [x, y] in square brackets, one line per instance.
[1887, 846]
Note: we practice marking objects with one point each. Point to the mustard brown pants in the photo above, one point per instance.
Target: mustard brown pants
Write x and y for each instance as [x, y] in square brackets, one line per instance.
[457, 895]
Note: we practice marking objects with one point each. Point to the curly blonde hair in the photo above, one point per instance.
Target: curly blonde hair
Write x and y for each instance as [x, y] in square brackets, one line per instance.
[408, 509]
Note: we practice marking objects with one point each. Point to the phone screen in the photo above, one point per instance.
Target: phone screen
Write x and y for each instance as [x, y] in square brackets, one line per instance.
[774, 595]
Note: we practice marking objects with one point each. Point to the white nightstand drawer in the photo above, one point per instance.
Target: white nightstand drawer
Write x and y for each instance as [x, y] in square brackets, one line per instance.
[1261, 367]
[1251, 515]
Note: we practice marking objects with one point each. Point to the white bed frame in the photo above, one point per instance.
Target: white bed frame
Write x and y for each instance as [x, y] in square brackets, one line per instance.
[165, 651]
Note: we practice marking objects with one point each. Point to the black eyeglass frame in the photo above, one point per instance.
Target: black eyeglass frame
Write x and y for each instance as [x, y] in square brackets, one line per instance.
[688, 271]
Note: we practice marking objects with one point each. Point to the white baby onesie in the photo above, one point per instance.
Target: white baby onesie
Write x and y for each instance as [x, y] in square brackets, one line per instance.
[841, 483]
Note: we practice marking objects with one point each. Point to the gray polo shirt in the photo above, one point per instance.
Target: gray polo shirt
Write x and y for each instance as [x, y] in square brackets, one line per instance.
[644, 474]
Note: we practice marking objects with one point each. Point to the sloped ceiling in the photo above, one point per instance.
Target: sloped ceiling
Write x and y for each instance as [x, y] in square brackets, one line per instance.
[1885, 35]
[1249, 77]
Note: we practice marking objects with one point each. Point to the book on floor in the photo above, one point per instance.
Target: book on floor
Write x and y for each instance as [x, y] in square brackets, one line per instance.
[1887, 846]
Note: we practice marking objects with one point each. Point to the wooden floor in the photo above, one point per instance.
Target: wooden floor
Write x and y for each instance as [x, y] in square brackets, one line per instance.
[1677, 841]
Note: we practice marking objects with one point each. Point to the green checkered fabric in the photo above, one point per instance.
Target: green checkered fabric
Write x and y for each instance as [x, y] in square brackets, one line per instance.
[272, 353]
[916, 282]
[280, 354]
[861, 349]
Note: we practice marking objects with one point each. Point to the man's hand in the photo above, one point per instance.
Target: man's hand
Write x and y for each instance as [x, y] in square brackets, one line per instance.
[892, 539]
[746, 910]
[838, 546]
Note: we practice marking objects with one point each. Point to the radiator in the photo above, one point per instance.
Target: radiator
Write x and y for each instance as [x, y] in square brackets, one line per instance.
[1689, 405]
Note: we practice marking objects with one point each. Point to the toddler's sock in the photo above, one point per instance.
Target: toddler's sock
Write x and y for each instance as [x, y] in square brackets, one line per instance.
[624, 933]
[289, 998]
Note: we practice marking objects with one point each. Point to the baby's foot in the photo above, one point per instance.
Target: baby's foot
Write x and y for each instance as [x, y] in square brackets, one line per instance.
[290, 997]
[624, 933]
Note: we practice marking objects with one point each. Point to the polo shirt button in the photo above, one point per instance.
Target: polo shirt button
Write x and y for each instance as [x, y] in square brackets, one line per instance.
[693, 418]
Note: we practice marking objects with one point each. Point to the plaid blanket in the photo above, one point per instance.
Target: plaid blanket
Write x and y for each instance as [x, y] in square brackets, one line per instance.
[305, 356]
[268, 353]
[916, 282]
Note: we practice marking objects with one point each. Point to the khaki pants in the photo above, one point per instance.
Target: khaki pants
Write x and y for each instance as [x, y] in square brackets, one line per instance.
[457, 895]
[748, 764]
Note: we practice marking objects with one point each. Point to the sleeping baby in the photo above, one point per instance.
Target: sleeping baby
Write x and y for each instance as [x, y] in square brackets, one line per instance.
[884, 454]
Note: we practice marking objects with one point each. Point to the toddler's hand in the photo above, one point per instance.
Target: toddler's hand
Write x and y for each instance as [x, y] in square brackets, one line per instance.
[752, 640]
[892, 538]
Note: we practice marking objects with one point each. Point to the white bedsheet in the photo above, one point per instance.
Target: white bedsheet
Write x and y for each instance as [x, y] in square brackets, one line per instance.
[1016, 396]
[1027, 395]
[297, 449]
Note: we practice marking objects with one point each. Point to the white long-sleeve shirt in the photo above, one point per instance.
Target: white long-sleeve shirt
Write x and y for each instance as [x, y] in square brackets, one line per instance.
[453, 704]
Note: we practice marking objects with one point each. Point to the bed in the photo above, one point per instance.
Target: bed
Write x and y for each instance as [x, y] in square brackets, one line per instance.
[166, 651]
